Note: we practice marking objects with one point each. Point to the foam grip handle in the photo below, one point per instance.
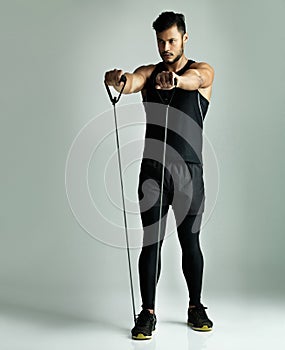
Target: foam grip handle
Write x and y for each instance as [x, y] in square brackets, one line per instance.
[123, 79]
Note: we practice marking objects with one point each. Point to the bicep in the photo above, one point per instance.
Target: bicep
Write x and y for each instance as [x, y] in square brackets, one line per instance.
[140, 76]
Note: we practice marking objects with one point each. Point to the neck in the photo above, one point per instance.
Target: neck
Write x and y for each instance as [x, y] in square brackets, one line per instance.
[175, 67]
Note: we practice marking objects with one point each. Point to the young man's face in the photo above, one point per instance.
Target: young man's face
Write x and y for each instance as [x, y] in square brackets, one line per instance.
[171, 44]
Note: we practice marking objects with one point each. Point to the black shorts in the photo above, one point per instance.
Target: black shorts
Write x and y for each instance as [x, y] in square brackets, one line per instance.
[183, 186]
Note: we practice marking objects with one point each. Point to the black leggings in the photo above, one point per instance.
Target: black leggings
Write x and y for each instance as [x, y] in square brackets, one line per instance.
[188, 231]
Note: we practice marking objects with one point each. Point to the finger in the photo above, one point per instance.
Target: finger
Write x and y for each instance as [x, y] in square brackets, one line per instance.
[157, 79]
[170, 79]
[119, 73]
[107, 74]
[164, 79]
[110, 77]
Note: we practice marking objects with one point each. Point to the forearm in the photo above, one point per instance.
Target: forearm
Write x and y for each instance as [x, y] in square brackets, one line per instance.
[191, 80]
[199, 76]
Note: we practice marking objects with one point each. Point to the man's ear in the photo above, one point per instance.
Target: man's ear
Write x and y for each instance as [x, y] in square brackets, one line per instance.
[185, 37]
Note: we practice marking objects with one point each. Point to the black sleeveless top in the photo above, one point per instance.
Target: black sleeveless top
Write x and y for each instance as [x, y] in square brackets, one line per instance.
[186, 113]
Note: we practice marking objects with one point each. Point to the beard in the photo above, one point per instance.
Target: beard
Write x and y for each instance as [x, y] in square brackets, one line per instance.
[175, 59]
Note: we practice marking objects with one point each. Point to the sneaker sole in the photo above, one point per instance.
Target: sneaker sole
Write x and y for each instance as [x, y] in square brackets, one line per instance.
[141, 336]
[201, 329]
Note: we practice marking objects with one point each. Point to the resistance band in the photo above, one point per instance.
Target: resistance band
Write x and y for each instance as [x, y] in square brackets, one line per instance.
[115, 100]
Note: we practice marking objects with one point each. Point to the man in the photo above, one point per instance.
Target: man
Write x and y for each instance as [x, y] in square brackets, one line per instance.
[186, 86]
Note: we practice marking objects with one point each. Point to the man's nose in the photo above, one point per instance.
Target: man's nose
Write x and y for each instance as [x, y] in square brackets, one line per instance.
[166, 46]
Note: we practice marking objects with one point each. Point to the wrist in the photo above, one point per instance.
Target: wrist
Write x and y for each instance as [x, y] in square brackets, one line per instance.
[177, 81]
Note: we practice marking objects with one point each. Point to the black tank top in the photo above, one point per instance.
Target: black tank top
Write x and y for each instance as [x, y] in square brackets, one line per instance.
[185, 120]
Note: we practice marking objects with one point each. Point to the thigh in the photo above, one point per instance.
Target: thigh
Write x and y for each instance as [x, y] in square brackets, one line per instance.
[189, 198]
[154, 228]
[149, 190]
[149, 187]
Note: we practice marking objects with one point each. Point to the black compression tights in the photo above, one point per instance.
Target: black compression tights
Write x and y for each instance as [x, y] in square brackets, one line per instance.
[192, 258]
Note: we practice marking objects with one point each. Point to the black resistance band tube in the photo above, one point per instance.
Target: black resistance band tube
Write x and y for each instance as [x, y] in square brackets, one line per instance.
[115, 100]
[161, 186]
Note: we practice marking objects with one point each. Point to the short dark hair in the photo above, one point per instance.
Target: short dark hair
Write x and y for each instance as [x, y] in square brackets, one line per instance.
[167, 19]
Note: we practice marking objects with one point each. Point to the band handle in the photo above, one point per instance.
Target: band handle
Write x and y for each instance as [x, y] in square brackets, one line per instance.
[115, 99]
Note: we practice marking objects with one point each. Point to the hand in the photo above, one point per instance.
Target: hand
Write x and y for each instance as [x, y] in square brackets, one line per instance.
[113, 77]
[166, 80]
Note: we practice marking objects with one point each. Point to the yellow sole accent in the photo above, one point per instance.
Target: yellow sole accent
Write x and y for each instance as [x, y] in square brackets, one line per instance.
[141, 336]
[203, 329]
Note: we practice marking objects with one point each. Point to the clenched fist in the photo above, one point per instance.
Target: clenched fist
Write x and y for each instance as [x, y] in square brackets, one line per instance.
[166, 80]
[113, 77]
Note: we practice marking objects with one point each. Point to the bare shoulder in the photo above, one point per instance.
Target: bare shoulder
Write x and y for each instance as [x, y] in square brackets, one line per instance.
[202, 65]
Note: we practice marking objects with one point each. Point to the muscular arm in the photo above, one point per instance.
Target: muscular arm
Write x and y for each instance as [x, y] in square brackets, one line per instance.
[199, 76]
[135, 81]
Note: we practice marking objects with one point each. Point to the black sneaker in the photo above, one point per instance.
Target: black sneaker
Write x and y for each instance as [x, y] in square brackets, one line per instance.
[144, 326]
[198, 319]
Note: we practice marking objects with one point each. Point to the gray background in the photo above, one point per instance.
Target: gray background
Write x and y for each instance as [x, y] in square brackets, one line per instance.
[53, 58]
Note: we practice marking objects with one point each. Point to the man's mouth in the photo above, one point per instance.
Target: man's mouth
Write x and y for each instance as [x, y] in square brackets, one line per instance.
[167, 54]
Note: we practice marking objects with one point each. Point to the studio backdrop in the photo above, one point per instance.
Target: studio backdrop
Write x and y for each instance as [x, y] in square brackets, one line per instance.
[62, 230]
